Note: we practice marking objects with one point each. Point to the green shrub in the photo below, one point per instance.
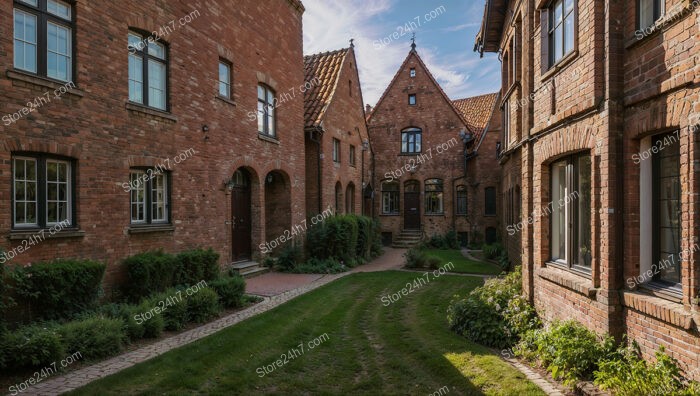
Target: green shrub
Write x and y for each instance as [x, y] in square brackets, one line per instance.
[364, 237]
[446, 241]
[4, 298]
[194, 266]
[492, 251]
[95, 337]
[59, 289]
[133, 330]
[568, 350]
[627, 374]
[433, 262]
[230, 290]
[173, 304]
[289, 257]
[153, 325]
[377, 247]
[31, 346]
[416, 258]
[487, 317]
[320, 266]
[503, 261]
[203, 305]
[148, 273]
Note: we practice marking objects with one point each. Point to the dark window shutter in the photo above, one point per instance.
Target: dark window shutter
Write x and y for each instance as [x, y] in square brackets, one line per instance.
[544, 27]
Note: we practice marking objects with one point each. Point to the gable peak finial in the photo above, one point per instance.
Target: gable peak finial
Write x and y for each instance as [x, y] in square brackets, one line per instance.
[413, 42]
[352, 43]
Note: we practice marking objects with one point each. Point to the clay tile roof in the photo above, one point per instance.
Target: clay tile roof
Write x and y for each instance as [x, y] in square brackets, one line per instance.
[477, 111]
[321, 72]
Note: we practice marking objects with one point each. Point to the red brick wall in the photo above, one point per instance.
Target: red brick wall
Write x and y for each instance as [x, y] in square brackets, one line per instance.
[95, 129]
[345, 121]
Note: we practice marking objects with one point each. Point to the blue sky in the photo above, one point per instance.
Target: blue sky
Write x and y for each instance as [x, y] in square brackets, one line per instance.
[445, 41]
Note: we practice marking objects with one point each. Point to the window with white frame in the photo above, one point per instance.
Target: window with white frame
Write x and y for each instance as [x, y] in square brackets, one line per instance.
[42, 191]
[336, 150]
[571, 211]
[150, 196]
[43, 38]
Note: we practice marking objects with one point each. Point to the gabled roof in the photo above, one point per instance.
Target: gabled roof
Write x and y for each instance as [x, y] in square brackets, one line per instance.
[321, 72]
[489, 37]
[477, 111]
[413, 52]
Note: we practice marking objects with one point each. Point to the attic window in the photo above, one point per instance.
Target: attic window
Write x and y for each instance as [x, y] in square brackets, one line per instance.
[412, 99]
[413, 72]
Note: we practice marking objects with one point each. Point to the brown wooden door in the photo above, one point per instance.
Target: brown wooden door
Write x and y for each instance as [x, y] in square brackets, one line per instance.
[411, 210]
[241, 224]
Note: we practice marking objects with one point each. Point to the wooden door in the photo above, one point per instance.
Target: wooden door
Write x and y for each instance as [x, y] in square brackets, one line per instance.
[241, 221]
[411, 206]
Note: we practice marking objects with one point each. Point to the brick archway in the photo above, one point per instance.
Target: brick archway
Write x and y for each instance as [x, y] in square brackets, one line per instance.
[278, 206]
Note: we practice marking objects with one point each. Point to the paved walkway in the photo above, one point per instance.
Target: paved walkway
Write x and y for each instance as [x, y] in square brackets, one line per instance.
[276, 289]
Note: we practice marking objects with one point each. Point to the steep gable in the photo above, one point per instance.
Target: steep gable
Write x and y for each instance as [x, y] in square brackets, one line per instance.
[322, 72]
[414, 58]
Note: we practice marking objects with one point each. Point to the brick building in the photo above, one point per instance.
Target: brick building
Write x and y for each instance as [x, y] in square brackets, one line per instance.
[117, 140]
[601, 105]
[338, 156]
[436, 167]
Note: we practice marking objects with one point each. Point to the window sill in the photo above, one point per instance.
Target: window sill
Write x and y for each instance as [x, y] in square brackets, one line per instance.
[225, 100]
[658, 308]
[560, 65]
[151, 229]
[434, 214]
[416, 154]
[568, 279]
[23, 235]
[268, 138]
[668, 293]
[45, 82]
[139, 108]
[391, 214]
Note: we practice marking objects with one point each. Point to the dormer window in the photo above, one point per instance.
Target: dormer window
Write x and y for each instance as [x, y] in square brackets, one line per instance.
[413, 72]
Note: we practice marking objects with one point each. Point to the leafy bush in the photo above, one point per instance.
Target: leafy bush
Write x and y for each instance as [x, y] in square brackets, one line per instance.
[320, 266]
[568, 350]
[4, 298]
[196, 265]
[416, 258]
[148, 273]
[133, 330]
[153, 325]
[59, 289]
[492, 251]
[31, 346]
[376, 249]
[203, 305]
[487, 317]
[230, 290]
[174, 308]
[364, 237]
[627, 374]
[446, 241]
[503, 261]
[94, 337]
[289, 258]
[433, 262]
[349, 239]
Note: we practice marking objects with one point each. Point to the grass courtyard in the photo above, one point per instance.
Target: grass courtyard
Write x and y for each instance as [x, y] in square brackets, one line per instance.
[353, 343]
[463, 264]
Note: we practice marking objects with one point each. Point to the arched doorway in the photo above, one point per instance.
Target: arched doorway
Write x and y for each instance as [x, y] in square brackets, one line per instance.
[278, 207]
[241, 218]
[350, 199]
[411, 205]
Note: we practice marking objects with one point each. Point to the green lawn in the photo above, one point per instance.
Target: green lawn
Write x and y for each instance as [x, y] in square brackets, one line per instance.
[463, 264]
[372, 348]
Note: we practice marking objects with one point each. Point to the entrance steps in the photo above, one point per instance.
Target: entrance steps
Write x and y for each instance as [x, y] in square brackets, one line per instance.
[249, 269]
[407, 239]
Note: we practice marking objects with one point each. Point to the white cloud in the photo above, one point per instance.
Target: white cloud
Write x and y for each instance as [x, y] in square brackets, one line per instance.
[330, 24]
[464, 26]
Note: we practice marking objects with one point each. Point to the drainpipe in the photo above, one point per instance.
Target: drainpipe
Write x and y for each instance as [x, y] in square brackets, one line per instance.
[315, 136]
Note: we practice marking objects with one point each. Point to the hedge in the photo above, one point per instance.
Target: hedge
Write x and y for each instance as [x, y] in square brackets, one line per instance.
[203, 305]
[194, 266]
[348, 238]
[94, 337]
[59, 289]
[148, 273]
[230, 290]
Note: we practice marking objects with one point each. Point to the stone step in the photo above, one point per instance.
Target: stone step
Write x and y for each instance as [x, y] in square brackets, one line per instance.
[256, 272]
[244, 265]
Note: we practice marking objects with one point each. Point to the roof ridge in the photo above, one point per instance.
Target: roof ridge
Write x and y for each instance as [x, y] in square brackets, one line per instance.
[475, 97]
